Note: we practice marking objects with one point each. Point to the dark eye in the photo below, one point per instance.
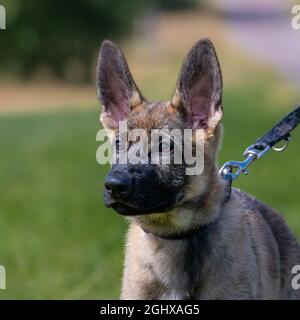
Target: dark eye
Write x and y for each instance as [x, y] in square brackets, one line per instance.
[160, 145]
[171, 145]
[164, 145]
[117, 144]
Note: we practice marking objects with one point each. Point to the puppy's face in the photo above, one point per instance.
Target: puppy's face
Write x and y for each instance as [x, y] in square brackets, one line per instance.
[146, 188]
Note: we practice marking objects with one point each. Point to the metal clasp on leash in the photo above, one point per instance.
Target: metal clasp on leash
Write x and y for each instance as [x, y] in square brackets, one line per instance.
[254, 152]
[231, 170]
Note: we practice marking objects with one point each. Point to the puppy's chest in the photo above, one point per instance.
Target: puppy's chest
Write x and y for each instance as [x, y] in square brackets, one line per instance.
[178, 270]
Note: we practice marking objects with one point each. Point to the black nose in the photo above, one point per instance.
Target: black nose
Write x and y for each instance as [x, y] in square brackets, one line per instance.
[118, 186]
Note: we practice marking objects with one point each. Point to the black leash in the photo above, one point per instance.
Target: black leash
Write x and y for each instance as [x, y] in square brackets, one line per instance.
[231, 170]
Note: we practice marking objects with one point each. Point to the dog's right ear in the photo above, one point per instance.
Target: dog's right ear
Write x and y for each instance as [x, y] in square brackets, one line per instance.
[116, 87]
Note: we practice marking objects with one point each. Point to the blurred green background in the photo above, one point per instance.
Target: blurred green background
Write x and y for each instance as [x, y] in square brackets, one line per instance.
[57, 239]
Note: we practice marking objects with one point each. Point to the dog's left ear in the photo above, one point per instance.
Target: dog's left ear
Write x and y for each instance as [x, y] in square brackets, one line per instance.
[199, 87]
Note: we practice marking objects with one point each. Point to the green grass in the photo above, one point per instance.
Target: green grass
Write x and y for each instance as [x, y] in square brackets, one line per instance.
[57, 239]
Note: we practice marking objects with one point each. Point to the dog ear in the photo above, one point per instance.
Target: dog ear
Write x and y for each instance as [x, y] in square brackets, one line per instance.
[199, 87]
[116, 87]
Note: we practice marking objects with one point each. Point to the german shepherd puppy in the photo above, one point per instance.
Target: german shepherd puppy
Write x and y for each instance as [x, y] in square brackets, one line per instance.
[184, 240]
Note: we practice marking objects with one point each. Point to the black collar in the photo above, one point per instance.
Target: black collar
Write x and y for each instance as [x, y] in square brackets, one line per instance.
[184, 235]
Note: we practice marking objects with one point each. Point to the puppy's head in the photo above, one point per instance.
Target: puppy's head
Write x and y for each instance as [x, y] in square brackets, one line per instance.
[146, 188]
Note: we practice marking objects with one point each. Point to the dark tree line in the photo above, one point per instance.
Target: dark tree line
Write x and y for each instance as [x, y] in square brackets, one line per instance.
[63, 34]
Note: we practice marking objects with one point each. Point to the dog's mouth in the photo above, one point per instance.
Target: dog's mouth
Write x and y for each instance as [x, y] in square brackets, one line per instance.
[129, 209]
